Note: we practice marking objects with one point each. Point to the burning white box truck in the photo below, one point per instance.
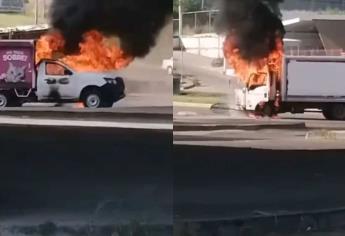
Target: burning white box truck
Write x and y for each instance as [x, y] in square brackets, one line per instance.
[307, 82]
[23, 81]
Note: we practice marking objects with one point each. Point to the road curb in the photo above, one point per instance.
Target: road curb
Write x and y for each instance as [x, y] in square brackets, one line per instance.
[12, 121]
[86, 115]
[191, 104]
[210, 127]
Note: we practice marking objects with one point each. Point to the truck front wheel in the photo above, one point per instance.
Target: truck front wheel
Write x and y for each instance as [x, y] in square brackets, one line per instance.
[92, 98]
[334, 112]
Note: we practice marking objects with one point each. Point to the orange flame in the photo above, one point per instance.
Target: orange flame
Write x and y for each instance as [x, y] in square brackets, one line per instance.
[97, 52]
[255, 72]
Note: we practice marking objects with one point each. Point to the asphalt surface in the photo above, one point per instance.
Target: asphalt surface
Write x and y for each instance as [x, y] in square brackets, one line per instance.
[233, 172]
[215, 182]
[153, 115]
[204, 127]
[216, 186]
[83, 177]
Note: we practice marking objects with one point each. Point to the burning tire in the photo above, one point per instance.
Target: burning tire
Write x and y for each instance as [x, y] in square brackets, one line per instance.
[92, 98]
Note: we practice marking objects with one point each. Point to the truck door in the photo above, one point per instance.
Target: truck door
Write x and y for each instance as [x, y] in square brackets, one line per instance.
[258, 94]
[56, 82]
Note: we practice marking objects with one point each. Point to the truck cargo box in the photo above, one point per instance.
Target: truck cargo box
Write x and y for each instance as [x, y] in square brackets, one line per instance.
[316, 79]
[17, 64]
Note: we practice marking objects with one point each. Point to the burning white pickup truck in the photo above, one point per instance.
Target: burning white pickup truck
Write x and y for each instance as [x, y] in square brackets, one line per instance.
[21, 81]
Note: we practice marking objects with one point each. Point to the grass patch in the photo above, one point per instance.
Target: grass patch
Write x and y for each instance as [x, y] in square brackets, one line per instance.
[26, 18]
[197, 97]
[10, 20]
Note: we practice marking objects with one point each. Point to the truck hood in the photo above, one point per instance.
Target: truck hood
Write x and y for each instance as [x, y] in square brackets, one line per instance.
[98, 74]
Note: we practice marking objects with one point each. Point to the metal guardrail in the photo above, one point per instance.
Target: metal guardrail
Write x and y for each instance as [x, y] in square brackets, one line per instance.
[316, 52]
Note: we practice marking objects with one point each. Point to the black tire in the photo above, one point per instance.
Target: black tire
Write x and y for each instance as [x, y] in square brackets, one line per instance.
[92, 98]
[4, 100]
[335, 112]
[267, 110]
[327, 114]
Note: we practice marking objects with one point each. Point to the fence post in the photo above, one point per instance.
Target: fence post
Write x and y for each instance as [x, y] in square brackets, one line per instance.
[209, 21]
[195, 19]
[218, 49]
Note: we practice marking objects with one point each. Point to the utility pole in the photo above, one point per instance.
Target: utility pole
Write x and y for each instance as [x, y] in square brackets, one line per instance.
[180, 17]
[36, 12]
[180, 36]
[44, 10]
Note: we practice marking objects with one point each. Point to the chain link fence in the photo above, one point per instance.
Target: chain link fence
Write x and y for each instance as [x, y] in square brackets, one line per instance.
[198, 22]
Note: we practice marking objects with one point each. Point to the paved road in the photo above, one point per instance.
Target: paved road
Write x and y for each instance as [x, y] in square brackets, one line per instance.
[228, 166]
[200, 126]
[220, 184]
[80, 176]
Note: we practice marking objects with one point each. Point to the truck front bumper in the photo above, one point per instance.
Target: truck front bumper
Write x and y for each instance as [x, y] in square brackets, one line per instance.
[114, 91]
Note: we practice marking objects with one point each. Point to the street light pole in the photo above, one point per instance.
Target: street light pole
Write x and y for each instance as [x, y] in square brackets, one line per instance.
[36, 12]
[180, 17]
[180, 36]
[44, 10]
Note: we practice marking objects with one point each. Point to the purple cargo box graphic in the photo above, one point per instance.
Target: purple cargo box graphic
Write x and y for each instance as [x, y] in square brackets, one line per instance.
[17, 67]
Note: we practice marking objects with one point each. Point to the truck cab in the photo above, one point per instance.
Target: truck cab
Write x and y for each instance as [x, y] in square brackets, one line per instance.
[57, 81]
[251, 98]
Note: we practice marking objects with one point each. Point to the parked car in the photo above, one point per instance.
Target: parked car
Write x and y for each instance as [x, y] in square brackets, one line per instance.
[168, 65]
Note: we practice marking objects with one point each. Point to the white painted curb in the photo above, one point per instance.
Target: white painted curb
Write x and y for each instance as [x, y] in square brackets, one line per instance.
[190, 104]
[81, 123]
[326, 135]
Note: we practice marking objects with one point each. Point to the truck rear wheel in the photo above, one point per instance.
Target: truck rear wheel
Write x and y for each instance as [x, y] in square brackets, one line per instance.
[3, 100]
[92, 98]
[267, 110]
[334, 112]
[327, 114]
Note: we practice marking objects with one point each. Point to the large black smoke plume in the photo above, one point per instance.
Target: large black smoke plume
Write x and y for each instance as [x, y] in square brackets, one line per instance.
[136, 22]
[255, 25]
